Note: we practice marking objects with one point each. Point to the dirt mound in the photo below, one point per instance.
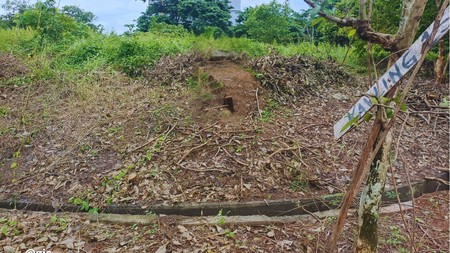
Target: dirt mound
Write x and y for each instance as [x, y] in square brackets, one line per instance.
[238, 88]
[288, 78]
[173, 70]
[220, 87]
[124, 142]
[295, 77]
[10, 66]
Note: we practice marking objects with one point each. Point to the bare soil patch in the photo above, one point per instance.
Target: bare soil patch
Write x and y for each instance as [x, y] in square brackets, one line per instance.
[10, 66]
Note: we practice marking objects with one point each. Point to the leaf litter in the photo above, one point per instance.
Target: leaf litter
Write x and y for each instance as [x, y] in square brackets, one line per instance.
[66, 232]
[163, 141]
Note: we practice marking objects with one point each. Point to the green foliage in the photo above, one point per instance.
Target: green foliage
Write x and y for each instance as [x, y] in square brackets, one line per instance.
[194, 15]
[11, 8]
[50, 24]
[80, 50]
[161, 28]
[299, 184]
[114, 183]
[81, 16]
[229, 234]
[84, 205]
[444, 102]
[153, 230]
[221, 217]
[391, 195]
[237, 45]
[334, 199]
[132, 54]
[352, 122]
[57, 223]
[396, 237]
[268, 23]
[4, 112]
[267, 112]
[14, 39]
[367, 117]
[10, 227]
[121, 175]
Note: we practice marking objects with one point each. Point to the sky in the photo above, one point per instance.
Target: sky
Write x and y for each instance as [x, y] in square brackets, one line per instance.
[115, 14]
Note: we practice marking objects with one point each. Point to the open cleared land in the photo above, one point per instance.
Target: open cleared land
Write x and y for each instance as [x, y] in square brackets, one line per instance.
[201, 128]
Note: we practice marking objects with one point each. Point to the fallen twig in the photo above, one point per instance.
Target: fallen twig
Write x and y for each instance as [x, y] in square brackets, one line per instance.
[440, 180]
[204, 170]
[394, 183]
[312, 214]
[281, 150]
[306, 127]
[192, 149]
[431, 238]
[257, 104]
[234, 158]
[446, 112]
[152, 140]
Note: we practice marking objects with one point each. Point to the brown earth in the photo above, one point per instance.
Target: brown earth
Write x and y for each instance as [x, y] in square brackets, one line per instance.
[161, 141]
[10, 66]
[120, 141]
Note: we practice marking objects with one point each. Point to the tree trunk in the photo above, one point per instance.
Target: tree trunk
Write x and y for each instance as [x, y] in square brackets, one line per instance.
[439, 64]
[369, 208]
[412, 12]
[368, 214]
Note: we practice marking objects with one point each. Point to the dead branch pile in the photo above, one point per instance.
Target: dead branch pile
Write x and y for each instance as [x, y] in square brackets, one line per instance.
[10, 66]
[427, 100]
[294, 77]
[173, 70]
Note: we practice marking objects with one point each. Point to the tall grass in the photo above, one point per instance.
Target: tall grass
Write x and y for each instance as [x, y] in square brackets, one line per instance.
[133, 53]
[11, 39]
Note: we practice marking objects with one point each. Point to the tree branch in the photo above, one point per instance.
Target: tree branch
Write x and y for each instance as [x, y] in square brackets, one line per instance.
[339, 21]
[363, 28]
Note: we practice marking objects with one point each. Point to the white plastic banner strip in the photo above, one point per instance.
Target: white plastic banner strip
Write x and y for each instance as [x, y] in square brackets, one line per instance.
[392, 76]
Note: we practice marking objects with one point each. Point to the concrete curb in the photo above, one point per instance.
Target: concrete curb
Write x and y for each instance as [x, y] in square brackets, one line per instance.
[268, 208]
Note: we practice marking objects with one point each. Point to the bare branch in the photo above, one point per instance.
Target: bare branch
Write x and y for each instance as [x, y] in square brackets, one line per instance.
[339, 21]
[366, 32]
[363, 28]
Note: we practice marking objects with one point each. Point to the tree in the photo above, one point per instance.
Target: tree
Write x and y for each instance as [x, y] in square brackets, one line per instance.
[377, 149]
[12, 7]
[80, 15]
[49, 22]
[159, 11]
[408, 24]
[194, 15]
[269, 23]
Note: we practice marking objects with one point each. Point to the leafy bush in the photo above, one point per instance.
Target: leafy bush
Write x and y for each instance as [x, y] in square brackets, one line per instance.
[84, 50]
[235, 45]
[162, 28]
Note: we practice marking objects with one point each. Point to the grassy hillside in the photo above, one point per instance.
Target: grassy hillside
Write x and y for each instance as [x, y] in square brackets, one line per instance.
[91, 51]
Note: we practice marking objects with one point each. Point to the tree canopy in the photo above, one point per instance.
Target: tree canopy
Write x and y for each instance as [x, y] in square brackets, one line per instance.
[271, 22]
[194, 15]
[11, 8]
[80, 15]
[51, 23]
